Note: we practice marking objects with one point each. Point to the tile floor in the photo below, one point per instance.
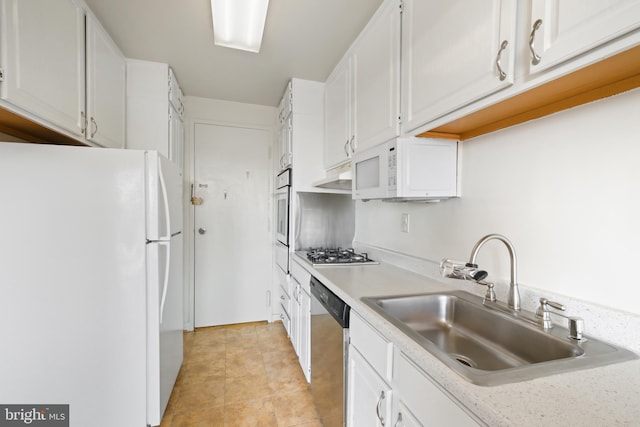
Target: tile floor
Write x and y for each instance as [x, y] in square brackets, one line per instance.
[241, 375]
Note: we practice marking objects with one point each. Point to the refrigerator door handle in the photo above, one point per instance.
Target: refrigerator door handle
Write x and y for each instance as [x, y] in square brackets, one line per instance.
[167, 212]
[165, 282]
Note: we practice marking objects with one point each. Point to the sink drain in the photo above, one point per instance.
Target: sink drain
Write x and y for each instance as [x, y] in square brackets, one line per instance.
[465, 361]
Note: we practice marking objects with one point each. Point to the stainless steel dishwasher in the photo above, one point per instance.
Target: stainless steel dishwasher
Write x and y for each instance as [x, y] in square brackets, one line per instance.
[329, 349]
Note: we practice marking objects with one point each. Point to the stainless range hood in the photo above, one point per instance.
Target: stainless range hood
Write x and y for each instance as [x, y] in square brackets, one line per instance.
[336, 179]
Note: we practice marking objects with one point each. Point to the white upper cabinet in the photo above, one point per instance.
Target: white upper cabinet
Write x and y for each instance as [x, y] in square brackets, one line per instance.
[176, 97]
[153, 120]
[376, 71]
[106, 87]
[561, 30]
[176, 137]
[284, 149]
[454, 52]
[285, 106]
[362, 95]
[60, 67]
[43, 60]
[338, 132]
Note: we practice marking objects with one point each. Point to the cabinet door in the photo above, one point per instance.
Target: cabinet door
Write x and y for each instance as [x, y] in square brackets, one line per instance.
[452, 55]
[571, 27]
[376, 70]
[175, 93]
[286, 140]
[338, 142]
[305, 334]
[368, 396]
[43, 60]
[404, 417]
[295, 317]
[176, 137]
[106, 88]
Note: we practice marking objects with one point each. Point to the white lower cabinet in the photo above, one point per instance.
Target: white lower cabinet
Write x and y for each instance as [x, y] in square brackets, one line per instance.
[386, 388]
[369, 397]
[421, 402]
[300, 329]
[304, 354]
[285, 299]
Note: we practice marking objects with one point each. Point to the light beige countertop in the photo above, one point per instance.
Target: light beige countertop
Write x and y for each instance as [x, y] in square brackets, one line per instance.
[603, 396]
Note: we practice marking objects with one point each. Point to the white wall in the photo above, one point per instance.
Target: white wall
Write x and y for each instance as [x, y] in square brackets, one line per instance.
[563, 189]
[203, 110]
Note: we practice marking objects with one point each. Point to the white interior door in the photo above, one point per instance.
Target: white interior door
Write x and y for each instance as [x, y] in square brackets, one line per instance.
[232, 172]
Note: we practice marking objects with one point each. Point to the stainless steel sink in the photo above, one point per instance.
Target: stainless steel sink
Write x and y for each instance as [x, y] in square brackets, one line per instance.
[486, 345]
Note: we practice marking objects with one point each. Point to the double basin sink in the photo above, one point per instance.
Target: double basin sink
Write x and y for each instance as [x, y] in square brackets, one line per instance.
[486, 345]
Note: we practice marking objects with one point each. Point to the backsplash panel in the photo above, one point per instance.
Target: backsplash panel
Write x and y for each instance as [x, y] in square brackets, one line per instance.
[563, 189]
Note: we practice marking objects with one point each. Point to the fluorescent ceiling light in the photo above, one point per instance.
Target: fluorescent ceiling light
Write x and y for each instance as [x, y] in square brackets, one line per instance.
[239, 24]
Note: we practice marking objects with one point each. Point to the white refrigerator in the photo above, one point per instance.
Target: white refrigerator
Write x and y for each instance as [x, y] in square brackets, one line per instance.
[90, 281]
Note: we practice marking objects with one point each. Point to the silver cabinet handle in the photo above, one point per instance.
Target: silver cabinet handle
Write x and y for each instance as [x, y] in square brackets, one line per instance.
[380, 399]
[94, 127]
[398, 420]
[535, 58]
[501, 72]
[346, 148]
[202, 230]
[351, 147]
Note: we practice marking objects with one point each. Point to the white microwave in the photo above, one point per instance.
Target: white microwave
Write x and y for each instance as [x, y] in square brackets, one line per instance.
[406, 169]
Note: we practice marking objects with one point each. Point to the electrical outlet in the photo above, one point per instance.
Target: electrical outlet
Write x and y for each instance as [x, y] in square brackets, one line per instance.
[404, 223]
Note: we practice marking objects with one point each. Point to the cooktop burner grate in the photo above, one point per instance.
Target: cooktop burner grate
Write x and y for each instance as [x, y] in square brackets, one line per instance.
[337, 256]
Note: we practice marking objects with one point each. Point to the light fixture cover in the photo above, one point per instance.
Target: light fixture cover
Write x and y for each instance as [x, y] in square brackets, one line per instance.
[239, 24]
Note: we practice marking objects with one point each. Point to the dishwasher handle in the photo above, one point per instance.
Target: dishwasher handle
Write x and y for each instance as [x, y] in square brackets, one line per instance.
[337, 308]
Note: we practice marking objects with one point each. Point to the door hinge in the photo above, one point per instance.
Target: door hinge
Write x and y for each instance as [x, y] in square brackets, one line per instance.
[1, 74]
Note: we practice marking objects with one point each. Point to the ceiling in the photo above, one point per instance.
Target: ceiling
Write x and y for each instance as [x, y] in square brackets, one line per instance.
[302, 38]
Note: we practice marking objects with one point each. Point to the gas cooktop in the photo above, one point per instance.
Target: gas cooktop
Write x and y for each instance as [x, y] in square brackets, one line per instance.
[337, 256]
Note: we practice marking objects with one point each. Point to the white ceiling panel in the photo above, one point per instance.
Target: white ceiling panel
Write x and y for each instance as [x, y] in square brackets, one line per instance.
[302, 38]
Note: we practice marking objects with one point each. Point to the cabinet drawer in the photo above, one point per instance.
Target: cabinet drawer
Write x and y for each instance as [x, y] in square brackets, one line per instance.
[286, 319]
[285, 300]
[374, 347]
[302, 276]
[428, 402]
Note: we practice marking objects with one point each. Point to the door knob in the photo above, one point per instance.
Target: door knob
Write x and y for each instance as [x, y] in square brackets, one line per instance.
[202, 230]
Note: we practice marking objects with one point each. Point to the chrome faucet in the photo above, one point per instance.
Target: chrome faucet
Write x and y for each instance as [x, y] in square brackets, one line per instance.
[513, 300]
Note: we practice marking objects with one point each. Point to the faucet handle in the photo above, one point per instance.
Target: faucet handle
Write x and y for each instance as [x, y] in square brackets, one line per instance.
[545, 304]
[544, 314]
[490, 295]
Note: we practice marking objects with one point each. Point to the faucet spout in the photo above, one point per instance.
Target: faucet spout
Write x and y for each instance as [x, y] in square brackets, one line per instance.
[514, 293]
